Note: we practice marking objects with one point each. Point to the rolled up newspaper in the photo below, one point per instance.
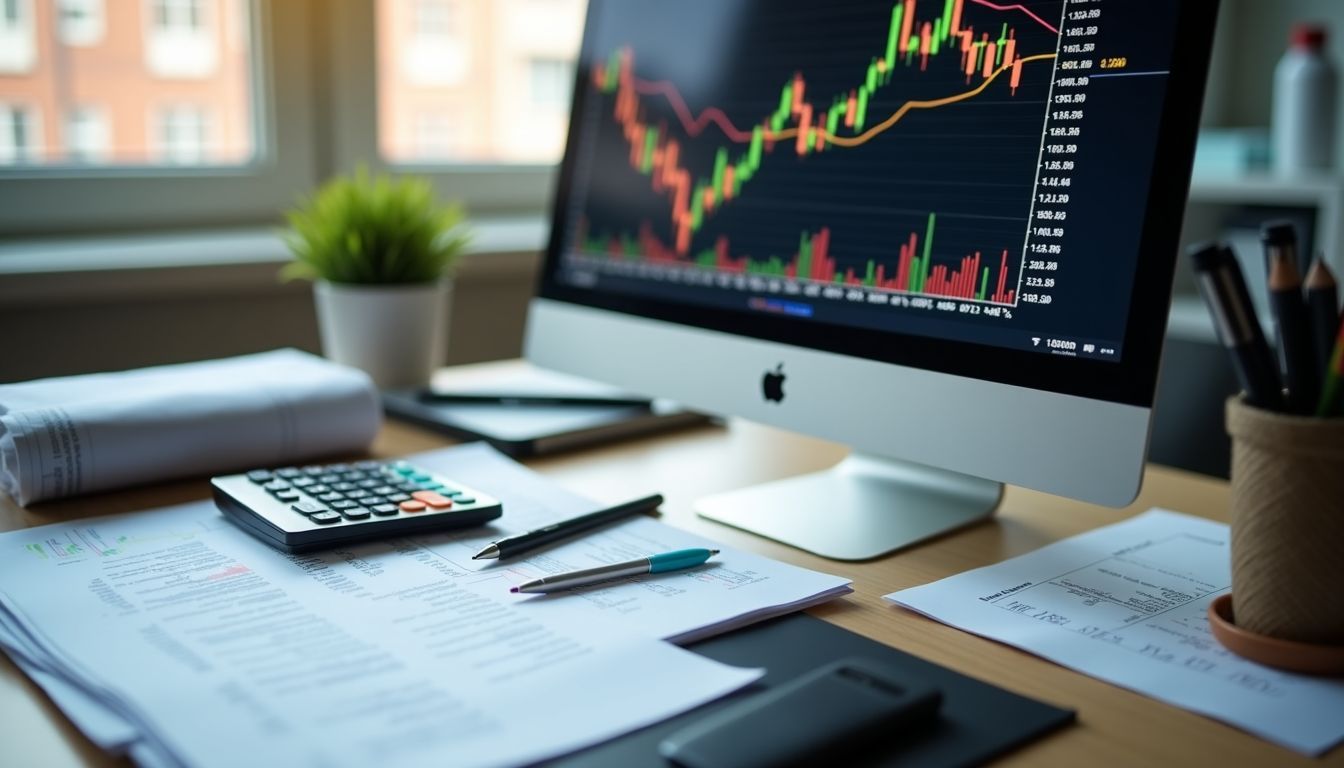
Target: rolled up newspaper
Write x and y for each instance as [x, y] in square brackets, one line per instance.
[80, 434]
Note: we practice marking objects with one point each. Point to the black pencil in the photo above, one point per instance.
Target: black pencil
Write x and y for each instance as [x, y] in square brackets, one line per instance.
[1293, 330]
[1229, 302]
[1323, 306]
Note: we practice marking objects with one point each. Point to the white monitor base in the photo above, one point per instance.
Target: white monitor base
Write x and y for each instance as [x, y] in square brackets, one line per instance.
[861, 508]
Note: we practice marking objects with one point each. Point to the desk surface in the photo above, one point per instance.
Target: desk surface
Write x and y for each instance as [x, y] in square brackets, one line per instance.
[1114, 726]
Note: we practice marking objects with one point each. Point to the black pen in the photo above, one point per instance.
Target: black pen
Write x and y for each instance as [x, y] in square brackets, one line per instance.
[1323, 305]
[1224, 290]
[1284, 280]
[484, 398]
[513, 545]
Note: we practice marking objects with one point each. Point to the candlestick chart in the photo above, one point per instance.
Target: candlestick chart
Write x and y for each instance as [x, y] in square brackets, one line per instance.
[889, 146]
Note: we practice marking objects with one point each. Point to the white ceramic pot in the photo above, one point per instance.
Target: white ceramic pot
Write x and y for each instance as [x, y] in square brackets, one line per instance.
[395, 333]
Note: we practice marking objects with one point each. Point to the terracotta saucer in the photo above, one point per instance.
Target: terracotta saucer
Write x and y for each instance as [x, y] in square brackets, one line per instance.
[1289, 655]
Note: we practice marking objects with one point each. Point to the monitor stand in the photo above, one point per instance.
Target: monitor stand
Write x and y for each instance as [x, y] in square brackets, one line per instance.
[861, 508]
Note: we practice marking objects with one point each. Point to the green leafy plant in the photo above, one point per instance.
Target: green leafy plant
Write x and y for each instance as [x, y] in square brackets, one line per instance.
[367, 229]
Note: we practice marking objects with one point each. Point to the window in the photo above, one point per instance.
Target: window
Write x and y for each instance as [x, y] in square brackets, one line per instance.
[434, 19]
[135, 71]
[280, 96]
[550, 80]
[180, 135]
[87, 135]
[178, 17]
[18, 39]
[504, 103]
[182, 43]
[19, 137]
[81, 22]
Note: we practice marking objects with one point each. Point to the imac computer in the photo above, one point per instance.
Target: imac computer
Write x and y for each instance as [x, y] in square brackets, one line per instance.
[941, 232]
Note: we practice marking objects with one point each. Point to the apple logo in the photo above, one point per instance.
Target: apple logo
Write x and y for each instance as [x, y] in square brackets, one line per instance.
[772, 384]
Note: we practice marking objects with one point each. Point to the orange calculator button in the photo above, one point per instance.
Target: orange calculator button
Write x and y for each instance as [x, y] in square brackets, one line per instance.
[435, 500]
[412, 506]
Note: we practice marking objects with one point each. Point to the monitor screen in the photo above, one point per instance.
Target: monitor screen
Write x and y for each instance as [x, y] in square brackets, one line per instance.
[951, 225]
[949, 184]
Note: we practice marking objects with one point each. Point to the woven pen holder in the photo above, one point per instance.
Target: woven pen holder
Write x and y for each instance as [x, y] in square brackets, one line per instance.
[1287, 524]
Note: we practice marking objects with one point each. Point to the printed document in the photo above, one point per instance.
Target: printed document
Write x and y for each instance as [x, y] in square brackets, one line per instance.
[80, 434]
[220, 651]
[734, 588]
[1128, 603]
[175, 637]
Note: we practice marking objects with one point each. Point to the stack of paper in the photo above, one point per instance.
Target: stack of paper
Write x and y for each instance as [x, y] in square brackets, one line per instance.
[174, 637]
[79, 434]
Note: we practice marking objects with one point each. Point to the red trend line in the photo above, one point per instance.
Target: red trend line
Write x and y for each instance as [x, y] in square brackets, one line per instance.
[693, 126]
[1017, 7]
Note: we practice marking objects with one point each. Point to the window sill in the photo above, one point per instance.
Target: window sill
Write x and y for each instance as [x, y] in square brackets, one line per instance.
[118, 268]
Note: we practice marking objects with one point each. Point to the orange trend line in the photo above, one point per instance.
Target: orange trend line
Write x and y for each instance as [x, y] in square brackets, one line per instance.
[1021, 8]
[854, 141]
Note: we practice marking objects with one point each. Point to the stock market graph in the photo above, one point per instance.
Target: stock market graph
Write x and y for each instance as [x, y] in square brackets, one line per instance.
[938, 167]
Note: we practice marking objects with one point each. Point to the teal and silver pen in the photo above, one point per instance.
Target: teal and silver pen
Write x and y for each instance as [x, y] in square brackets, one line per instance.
[668, 561]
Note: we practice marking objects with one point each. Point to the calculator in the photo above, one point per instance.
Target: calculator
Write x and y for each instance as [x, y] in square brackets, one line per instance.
[300, 509]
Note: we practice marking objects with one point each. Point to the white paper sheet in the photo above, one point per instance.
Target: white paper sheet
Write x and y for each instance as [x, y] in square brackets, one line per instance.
[1128, 604]
[732, 589]
[79, 434]
[228, 652]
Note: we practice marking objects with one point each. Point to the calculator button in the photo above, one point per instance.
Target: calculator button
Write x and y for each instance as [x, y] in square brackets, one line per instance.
[259, 476]
[276, 485]
[288, 496]
[384, 490]
[367, 465]
[384, 510]
[313, 469]
[328, 479]
[419, 477]
[353, 475]
[343, 487]
[343, 504]
[432, 499]
[288, 473]
[358, 493]
[431, 486]
[355, 513]
[317, 489]
[330, 497]
[465, 499]
[302, 482]
[372, 500]
[408, 487]
[309, 507]
[403, 469]
[369, 482]
[325, 518]
[397, 498]
[412, 505]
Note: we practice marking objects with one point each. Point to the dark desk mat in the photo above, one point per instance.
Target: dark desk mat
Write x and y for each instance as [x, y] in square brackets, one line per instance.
[978, 721]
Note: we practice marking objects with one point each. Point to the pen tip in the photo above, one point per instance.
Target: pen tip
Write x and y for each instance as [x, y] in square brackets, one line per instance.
[513, 589]
[713, 552]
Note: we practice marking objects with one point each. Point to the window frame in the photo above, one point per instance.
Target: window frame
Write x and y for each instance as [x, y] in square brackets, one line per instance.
[320, 57]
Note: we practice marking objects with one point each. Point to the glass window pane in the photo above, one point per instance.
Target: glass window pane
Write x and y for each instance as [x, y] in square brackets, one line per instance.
[475, 81]
[155, 83]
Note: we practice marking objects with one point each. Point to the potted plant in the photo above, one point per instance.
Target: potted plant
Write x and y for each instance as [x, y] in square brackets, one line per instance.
[380, 252]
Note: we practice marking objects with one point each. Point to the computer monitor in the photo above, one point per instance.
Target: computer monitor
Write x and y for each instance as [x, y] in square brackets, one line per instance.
[942, 232]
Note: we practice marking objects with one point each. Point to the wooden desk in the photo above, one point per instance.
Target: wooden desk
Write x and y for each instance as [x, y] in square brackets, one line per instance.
[1115, 726]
